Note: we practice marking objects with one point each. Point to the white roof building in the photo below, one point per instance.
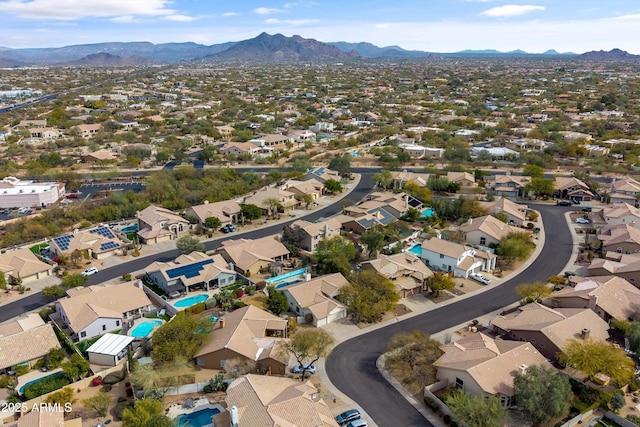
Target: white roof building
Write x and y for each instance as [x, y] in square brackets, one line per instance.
[15, 193]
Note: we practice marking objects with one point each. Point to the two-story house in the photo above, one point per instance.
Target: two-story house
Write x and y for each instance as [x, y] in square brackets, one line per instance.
[572, 188]
[513, 187]
[227, 211]
[442, 255]
[625, 190]
[310, 233]
[156, 224]
[263, 198]
[486, 230]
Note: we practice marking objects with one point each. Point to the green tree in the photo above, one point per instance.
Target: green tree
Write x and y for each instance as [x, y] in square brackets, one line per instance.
[334, 255]
[306, 199]
[53, 292]
[368, 296]
[633, 334]
[542, 394]
[273, 204]
[212, 222]
[188, 244]
[541, 186]
[74, 280]
[475, 411]
[439, 282]
[250, 212]
[384, 178]
[180, 338]
[534, 171]
[413, 354]
[276, 301]
[308, 345]
[419, 192]
[341, 164]
[533, 292]
[595, 356]
[76, 367]
[99, 402]
[374, 240]
[516, 245]
[61, 398]
[617, 402]
[145, 413]
[333, 186]
[3, 281]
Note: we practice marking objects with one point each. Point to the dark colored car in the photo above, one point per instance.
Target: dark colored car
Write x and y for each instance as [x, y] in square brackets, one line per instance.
[346, 416]
[229, 228]
[563, 203]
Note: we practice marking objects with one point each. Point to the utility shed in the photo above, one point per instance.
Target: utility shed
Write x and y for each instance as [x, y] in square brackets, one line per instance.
[109, 350]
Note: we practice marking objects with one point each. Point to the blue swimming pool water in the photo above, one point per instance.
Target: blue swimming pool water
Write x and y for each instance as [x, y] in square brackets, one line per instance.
[55, 374]
[287, 283]
[196, 419]
[192, 300]
[417, 249]
[130, 229]
[285, 276]
[427, 212]
[144, 328]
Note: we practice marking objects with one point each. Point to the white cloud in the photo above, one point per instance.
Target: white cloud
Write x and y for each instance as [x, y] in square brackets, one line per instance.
[230, 14]
[509, 10]
[126, 19]
[78, 9]
[266, 11]
[179, 18]
[274, 21]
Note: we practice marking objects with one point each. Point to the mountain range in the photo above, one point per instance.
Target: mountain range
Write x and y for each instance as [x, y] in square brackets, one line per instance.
[264, 48]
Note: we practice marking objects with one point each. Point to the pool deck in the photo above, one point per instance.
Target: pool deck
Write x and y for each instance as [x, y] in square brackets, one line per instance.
[35, 375]
[189, 295]
[203, 403]
[143, 320]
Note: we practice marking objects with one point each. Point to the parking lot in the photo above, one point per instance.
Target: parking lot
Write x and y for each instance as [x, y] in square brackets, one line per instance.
[91, 189]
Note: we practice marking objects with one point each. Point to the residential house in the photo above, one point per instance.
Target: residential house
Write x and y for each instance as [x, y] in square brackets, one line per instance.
[275, 141]
[312, 232]
[510, 186]
[626, 266]
[266, 401]
[486, 230]
[225, 131]
[31, 124]
[621, 238]
[397, 204]
[324, 174]
[44, 133]
[302, 136]
[360, 221]
[484, 366]
[443, 255]
[156, 224]
[625, 190]
[494, 152]
[401, 178]
[24, 340]
[22, 265]
[262, 198]
[610, 297]
[314, 301]
[572, 188]
[312, 187]
[249, 257]
[100, 156]
[620, 213]
[86, 131]
[322, 127]
[516, 214]
[16, 193]
[189, 272]
[548, 329]
[406, 270]
[97, 242]
[238, 148]
[247, 334]
[465, 179]
[95, 310]
[43, 417]
[227, 211]
[421, 152]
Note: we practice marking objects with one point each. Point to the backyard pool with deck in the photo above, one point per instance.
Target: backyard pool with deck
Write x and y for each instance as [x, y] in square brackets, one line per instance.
[189, 301]
[143, 328]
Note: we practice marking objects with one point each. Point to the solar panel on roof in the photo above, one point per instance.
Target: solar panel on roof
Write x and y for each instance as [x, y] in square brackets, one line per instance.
[188, 271]
[103, 231]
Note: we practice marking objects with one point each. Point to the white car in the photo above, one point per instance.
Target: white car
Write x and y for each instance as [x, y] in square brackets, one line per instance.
[90, 271]
[582, 221]
[480, 278]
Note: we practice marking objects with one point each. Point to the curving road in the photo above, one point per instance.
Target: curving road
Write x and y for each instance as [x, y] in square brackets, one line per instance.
[352, 364]
[36, 301]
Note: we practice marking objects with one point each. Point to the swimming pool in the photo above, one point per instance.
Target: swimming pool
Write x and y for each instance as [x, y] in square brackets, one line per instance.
[130, 229]
[143, 329]
[416, 249]
[427, 212]
[288, 283]
[189, 301]
[58, 374]
[199, 418]
[283, 277]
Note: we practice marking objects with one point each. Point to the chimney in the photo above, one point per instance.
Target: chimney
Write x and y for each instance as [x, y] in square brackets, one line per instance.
[139, 283]
[593, 302]
[231, 266]
[221, 322]
[234, 416]
[523, 369]
[585, 333]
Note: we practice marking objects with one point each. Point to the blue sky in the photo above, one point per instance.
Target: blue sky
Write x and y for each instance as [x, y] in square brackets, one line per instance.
[429, 25]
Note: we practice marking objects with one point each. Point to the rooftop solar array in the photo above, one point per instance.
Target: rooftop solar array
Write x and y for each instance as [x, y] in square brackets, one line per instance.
[109, 245]
[188, 271]
[103, 231]
[63, 241]
[319, 171]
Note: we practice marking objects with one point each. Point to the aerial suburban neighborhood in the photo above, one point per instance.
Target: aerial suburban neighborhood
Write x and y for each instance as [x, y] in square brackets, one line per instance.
[300, 244]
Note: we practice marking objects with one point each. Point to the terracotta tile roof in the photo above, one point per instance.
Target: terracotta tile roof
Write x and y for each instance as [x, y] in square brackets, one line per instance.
[22, 263]
[506, 206]
[406, 270]
[621, 233]
[221, 210]
[25, 339]
[489, 225]
[264, 401]
[244, 252]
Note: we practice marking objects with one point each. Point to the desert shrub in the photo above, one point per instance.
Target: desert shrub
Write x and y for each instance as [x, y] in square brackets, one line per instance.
[251, 290]
[22, 369]
[120, 407]
[96, 381]
[210, 303]
[6, 381]
[238, 293]
[106, 388]
[238, 304]
[196, 308]
[261, 285]
[432, 404]
[634, 419]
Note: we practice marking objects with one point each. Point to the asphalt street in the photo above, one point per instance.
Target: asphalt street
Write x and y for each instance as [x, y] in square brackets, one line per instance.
[351, 367]
[35, 301]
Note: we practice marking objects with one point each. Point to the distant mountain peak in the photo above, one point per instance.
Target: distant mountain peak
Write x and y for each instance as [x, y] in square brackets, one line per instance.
[613, 54]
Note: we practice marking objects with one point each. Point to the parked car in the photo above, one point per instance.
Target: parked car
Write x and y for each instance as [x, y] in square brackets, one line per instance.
[587, 209]
[298, 369]
[563, 203]
[347, 416]
[229, 228]
[480, 278]
[90, 271]
[582, 221]
[357, 423]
